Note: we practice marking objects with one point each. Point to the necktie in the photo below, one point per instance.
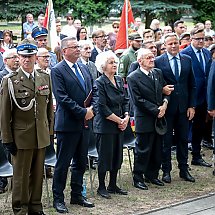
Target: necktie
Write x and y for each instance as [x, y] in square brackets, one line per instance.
[150, 75]
[201, 60]
[31, 78]
[176, 68]
[81, 80]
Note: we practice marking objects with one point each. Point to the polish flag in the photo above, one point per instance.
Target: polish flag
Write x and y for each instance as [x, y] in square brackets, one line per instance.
[126, 25]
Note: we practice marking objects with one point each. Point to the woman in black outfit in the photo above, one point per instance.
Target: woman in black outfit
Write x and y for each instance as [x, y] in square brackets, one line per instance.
[110, 121]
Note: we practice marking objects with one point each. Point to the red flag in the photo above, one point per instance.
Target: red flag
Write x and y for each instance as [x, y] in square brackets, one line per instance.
[50, 25]
[126, 25]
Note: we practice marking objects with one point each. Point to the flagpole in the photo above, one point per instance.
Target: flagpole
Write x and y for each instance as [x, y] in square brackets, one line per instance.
[126, 21]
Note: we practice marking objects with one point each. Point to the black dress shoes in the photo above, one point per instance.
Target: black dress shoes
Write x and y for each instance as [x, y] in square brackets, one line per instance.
[37, 213]
[166, 177]
[155, 181]
[200, 162]
[80, 200]
[104, 193]
[140, 185]
[117, 190]
[186, 176]
[60, 207]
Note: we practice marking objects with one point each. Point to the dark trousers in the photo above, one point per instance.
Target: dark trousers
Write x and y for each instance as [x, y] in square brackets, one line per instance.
[28, 165]
[198, 130]
[71, 146]
[180, 124]
[147, 157]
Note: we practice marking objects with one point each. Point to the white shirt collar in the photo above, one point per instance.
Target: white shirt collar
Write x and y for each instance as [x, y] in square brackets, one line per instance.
[144, 71]
[8, 69]
[28, 74]
[170, 57]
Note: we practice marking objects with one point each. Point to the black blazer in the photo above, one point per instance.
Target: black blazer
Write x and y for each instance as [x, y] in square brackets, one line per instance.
[147, 97]
[94, 53]
[184, 94]
[109, 99]
[70, 96]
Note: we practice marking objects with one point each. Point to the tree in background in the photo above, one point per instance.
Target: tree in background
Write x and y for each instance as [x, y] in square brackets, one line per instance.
[205, 10]
[13, 10]
[90, 12]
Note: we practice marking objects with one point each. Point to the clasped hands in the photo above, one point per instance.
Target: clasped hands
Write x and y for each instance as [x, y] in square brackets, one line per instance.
[162, 110]
[89, 115]
[122, 124]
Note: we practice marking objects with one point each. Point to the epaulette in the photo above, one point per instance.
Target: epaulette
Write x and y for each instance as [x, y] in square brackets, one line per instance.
[41, 71]
[11, 74]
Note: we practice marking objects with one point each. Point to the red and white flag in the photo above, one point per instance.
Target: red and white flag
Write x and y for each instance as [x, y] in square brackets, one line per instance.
[50, 25]
[126, 25]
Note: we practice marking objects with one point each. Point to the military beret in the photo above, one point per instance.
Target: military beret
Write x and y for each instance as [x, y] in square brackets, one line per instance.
[134, 36]
[27, 47]
[37, 32]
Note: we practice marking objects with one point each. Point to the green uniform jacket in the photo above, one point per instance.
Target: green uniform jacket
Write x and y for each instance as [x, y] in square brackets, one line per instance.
[27, 129]
[125, 61]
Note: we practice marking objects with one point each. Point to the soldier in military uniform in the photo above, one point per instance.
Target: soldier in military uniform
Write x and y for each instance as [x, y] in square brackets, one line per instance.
[26, 126]
[40, 36]
[129, 56]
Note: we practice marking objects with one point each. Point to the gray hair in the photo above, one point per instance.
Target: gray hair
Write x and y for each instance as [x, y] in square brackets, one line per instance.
[41, 51]
[141, 52]
[9, 53]
[64, 41]
[102, 58]
[83, 43]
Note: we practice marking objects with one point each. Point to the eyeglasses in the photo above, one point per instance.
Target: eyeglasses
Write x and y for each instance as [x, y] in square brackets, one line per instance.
[115, 27]
[198, 38]
[13, 57]
[73, 47]
[102, 36]
[83, 32]
[87, 48]
[69, 18]
[149, 58]
[45, 56]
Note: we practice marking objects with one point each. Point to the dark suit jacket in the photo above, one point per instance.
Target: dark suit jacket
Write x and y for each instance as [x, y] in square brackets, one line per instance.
[92, 69]
[110, 99]
[94, 53]
[70, 96]
[211, 88]
[147, 97]
[184, 94]
[200, 75]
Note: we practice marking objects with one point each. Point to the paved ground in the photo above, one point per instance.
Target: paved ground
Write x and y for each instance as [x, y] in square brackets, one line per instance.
[204, 205]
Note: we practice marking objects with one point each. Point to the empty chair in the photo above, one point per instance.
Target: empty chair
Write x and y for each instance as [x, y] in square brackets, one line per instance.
[50, 161]
[129, 143]
[92, 155]
[6, 169]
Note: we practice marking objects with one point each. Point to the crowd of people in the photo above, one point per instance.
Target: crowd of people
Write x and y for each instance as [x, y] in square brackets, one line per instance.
[164, 80]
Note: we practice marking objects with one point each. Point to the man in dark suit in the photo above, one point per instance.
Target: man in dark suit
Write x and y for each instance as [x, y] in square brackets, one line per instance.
[71, 86]
[201, 62]
[85, 50]
[178, 74]
[100, 40]
[11, 62]
[145, 85]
